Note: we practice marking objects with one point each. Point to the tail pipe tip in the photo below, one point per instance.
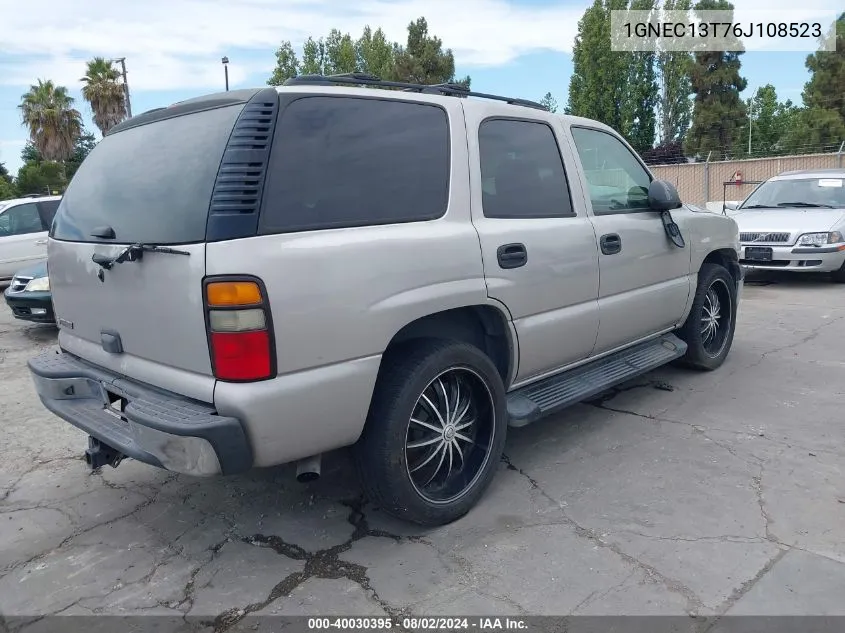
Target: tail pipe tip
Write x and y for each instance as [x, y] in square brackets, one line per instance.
[308, 469]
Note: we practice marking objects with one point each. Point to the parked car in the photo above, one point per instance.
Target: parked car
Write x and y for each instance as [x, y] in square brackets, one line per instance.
[29, 295]
[795, 222]
[24, 223]
[261, 276]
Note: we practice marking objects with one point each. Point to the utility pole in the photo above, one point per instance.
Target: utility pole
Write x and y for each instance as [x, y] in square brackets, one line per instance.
[750, 112]
[122, 62]
[225, 62]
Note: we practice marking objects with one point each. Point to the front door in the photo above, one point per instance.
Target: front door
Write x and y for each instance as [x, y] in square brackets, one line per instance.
[23, 238]
[645, 279]
[538, 248]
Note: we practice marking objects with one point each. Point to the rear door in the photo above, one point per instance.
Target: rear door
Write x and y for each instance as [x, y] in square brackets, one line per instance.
[645, 278]
[538, 246]
[23, 238]
[152, 184]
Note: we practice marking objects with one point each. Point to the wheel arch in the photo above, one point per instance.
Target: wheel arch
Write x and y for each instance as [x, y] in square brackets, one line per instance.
[487, 327]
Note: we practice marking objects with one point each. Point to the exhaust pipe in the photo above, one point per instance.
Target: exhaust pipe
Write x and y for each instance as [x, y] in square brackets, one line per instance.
[308, 469]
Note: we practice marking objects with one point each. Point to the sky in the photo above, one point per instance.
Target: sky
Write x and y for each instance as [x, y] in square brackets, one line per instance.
[173, 48]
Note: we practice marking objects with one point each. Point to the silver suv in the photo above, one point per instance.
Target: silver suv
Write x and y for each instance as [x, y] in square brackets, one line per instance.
[260, 276]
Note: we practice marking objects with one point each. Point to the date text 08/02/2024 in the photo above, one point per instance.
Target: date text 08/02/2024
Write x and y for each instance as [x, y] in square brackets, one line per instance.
[418, 624]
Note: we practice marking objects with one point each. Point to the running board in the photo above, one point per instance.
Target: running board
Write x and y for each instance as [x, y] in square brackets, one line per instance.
[532, 402]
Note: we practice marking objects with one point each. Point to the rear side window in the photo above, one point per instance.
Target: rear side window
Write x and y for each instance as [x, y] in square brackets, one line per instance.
[20, 220]
[343, 161]
[522, 173]
[150, 183]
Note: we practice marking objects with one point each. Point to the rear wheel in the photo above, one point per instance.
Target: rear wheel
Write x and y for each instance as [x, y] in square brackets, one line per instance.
[709, 328]
[435, 432]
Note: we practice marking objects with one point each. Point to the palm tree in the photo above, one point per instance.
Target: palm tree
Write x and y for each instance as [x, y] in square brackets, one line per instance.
[54, 124]
[105, 95]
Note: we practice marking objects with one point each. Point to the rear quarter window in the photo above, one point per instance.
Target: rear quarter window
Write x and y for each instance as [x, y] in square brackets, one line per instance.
[344, 161]
[151, 183]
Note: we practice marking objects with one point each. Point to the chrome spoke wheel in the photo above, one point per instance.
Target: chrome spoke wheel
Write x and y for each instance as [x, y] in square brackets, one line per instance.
[716, 314]
[450, 435]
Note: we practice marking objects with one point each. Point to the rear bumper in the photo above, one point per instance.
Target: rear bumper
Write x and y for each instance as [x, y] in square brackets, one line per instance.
[807, 259]
[152, 426]
[31, 306]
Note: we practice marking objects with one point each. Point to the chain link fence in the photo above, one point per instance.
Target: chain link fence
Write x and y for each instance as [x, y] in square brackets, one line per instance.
[699, 183]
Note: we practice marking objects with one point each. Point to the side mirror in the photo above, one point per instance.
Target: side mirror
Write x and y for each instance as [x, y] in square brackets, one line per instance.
[662, 196]
[733, 206]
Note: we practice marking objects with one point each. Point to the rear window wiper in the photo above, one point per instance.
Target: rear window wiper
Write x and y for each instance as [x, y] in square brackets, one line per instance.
[132, 253]
[809, 205]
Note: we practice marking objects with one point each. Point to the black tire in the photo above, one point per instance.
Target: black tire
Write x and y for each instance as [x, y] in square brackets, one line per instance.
[382, 452]
[703, 351]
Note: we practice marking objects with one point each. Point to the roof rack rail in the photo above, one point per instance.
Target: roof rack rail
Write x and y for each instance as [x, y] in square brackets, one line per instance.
[364, 79]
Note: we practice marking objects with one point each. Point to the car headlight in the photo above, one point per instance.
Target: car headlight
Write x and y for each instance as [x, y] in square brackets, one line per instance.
[818, 239]
[39, 284]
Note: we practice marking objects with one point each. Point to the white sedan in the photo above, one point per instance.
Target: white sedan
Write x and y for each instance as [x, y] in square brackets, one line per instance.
[795, 222]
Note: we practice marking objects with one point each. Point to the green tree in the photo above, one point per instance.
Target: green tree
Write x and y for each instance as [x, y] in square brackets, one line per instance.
[375, 54]
[826, 88]
[549, 102]
[44, 177]
[341, 56]
[287, 65]
[54, 124]
[599, 75]
[104, 93]
[4, 173]
[83, 146]
[7, 190]
[313, 57]
[422, 60]
[30, 153]
[769, 121]
[641, 98]
[673, 71]
[718, 113]
[813, 130]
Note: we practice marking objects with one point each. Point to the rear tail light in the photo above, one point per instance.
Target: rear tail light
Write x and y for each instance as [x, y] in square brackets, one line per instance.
[239, 329]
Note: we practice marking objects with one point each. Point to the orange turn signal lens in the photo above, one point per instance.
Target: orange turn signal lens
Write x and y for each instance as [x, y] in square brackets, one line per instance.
[233, 293]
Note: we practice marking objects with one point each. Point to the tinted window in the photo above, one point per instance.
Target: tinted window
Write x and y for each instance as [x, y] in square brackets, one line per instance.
[150, 183]
[48, 211]
[616, 179]
[21, 219]
[341, 161]
[522, 172]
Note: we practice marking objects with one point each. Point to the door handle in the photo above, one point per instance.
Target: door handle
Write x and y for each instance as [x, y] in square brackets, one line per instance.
[512, 255]
[610, 244]
[40, 242]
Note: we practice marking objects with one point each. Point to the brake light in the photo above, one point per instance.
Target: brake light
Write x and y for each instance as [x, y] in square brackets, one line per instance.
[239, 330]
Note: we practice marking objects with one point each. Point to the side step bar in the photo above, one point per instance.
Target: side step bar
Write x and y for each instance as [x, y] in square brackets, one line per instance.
[532, 402]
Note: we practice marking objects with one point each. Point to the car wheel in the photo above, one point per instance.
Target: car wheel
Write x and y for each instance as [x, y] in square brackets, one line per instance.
[838, 276]
[435, 431]
[709, 328]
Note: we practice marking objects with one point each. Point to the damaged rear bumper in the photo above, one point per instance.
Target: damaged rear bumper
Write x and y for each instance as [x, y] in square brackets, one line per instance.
[147, 424]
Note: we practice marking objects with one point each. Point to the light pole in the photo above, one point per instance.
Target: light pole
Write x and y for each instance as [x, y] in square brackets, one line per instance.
[122, 62]
[225, 61]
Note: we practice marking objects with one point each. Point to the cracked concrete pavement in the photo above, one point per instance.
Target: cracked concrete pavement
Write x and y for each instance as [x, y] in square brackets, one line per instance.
[678, 493]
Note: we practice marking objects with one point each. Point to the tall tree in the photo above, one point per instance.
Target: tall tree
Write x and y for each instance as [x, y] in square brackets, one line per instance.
[826, 88]
[422, 60]
[314, 58]
[104, 93]
[341, 56]
[814, 130]
[54, 124]
[673, 71]
[718, 113]
[640, 100]
[287, 65]
[599, 74]
[7, 186]
[769, 121]
[549, 102]
[376, 55]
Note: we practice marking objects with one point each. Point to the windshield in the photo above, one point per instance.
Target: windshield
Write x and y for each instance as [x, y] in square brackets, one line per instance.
[804, 193]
